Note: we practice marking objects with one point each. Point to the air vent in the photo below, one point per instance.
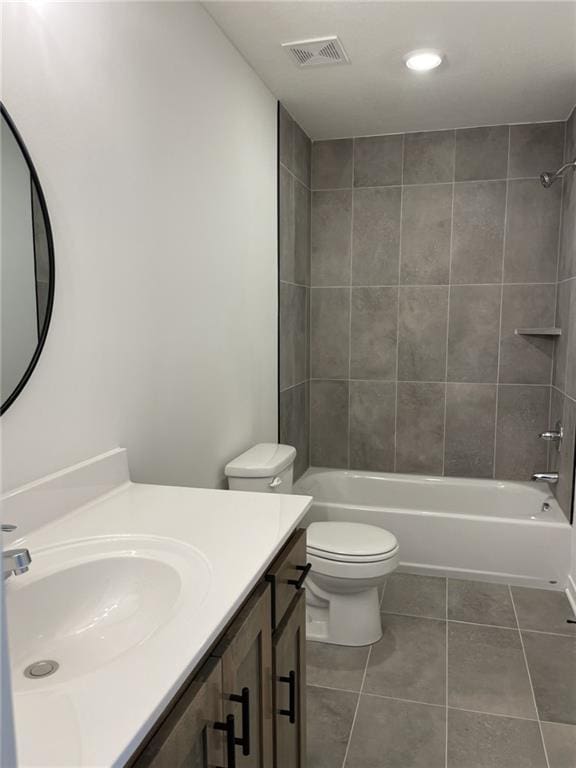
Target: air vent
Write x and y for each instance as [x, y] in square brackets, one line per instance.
[320, 50]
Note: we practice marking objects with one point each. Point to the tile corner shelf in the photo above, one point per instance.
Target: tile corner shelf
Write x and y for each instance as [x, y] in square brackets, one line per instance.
[538, 331]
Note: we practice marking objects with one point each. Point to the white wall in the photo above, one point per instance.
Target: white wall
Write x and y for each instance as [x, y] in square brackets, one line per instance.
[156, 147]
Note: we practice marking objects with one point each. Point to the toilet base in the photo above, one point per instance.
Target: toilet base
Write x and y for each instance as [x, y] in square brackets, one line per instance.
[344, 619]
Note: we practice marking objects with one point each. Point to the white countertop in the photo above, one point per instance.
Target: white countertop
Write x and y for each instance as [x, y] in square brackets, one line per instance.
[99, 718]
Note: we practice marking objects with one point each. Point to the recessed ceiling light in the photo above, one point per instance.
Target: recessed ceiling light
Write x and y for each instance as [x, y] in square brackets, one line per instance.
[423, 60]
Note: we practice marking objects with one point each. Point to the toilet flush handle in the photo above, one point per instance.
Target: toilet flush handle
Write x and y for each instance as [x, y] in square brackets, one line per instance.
[275, 482]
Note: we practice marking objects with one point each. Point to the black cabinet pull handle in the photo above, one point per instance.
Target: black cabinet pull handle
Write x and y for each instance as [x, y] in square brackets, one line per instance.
[300, 581]
[291, 711]
[244, 699]
[228, 726]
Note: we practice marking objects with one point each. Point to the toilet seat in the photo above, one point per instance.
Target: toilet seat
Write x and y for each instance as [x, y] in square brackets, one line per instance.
[350, 543]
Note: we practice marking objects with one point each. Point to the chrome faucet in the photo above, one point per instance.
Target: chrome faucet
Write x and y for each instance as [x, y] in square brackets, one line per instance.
[14, 561]
[545, 477]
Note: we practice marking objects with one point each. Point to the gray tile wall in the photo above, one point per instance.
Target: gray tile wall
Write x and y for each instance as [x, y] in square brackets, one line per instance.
[294, 303]
[563, 405]
[427, 251]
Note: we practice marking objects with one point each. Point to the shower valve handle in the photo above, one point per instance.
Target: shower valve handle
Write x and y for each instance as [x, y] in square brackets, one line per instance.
[551, 435]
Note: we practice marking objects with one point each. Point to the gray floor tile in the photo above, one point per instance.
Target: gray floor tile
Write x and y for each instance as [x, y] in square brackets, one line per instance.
[409, 662]
[485, 741]
[543, 610]
[397, 734]
[552, 665]
[487, 671]
[480, 603]
[560, 743]
[329, 720]
[335, 666]
[413, 595]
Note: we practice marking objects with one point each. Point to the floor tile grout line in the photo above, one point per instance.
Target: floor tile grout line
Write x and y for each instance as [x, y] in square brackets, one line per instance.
[446, 674]
[556, 722]
[441, 706]
[529, 678]
[361, 689]
[479, 624]
[357, 707]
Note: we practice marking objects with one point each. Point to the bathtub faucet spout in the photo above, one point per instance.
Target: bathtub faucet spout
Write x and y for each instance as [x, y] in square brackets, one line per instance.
[545, 477]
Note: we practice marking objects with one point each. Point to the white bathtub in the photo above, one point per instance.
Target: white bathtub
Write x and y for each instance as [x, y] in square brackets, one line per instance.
[486, 529]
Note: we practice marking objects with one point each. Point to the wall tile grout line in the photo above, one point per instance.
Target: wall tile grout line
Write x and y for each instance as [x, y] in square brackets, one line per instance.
[555, 346]
[295, 285]
[440, 130]
[422, 285]
[349, 437]
[450, 256]
[565, 394]
[397, 367]
[422, 183]
[502, 268]
[439, 381]
[529, 676]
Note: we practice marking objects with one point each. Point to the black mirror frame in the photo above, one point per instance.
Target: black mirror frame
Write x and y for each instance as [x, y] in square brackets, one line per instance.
[52, 271]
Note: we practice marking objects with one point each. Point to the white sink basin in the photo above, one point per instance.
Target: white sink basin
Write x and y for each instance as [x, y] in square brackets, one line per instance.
[127, 592]
[85, 604]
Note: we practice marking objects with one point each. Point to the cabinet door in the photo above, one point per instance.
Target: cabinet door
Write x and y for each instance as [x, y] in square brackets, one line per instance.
[187, 737]
[246, 655]
[289, 653]
[287, 574]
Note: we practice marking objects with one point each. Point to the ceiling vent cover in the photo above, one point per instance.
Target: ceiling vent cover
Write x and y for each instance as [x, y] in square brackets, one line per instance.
[320, 50]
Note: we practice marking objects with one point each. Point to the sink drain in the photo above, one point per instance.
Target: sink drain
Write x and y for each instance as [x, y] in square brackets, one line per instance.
[41, 669]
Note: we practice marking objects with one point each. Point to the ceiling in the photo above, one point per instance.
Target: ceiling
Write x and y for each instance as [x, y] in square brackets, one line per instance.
[506, 62]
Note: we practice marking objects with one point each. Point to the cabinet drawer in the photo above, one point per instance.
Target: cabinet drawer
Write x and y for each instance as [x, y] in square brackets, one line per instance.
[287, 574]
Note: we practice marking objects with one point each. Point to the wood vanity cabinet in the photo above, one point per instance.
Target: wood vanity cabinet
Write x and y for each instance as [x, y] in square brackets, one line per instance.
[187, 738]
[245, 707]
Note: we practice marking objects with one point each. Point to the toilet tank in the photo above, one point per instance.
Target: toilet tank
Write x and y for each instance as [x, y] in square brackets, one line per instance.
[265, 468]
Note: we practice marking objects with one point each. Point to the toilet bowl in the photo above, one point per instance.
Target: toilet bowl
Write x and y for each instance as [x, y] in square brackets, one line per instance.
[349, 561]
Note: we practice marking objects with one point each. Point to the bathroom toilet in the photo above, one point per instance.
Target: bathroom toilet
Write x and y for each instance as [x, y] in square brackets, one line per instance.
[349, 561]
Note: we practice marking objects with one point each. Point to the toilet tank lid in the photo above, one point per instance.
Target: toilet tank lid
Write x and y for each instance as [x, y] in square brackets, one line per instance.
[263, 460]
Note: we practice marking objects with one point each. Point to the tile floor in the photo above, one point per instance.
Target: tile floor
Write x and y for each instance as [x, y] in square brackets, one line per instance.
[467, 675]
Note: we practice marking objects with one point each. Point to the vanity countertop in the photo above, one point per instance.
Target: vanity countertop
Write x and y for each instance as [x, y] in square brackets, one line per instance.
[170, 566]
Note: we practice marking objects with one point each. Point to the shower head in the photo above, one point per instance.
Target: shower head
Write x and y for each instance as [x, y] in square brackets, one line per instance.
[549, 177]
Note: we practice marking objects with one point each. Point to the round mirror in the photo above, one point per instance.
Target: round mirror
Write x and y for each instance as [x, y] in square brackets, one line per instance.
[27, 265]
